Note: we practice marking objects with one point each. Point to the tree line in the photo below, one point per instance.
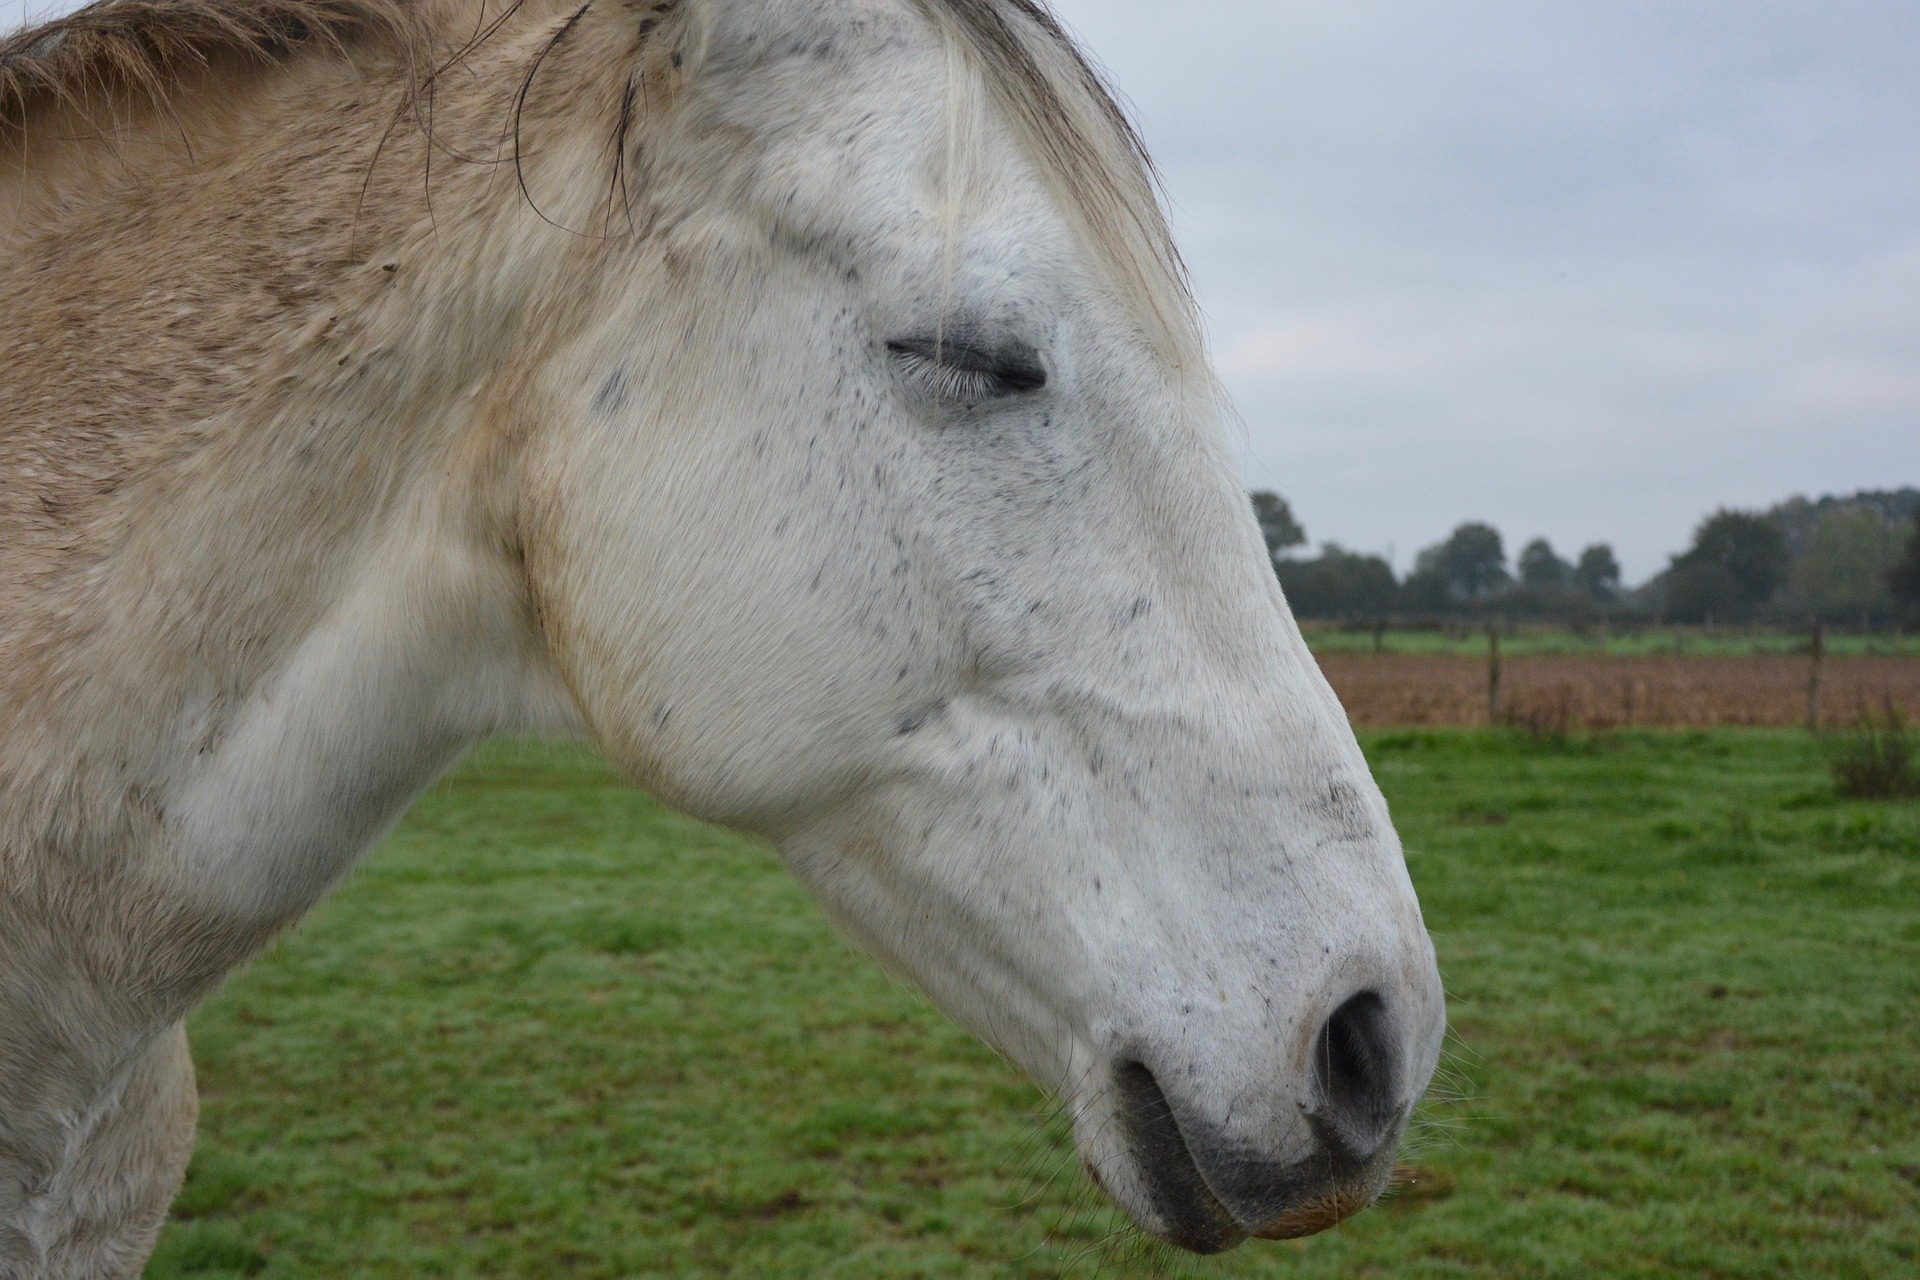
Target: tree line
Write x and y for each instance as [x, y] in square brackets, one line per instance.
[1852, 559]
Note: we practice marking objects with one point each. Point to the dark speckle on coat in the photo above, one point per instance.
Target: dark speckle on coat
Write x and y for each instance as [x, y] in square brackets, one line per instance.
[1345, 809]
[916, 721]
[612, 395]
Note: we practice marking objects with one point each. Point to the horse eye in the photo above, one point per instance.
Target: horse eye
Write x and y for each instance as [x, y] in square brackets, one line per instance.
[956, 367]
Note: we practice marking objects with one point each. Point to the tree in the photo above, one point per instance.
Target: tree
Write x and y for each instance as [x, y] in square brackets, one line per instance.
[1277, 526]
[1472, 562]
[1698, 591]
[1846, 562]
[1541, 569]
[1737, 561]
[1904, 579]
[1426, 591]
[1798, 517]
[1339, 584]
[1598, 573]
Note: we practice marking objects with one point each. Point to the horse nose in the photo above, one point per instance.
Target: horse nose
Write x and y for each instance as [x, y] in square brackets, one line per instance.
[1357, 1113]
[1211, 1187]
[1357, 1067]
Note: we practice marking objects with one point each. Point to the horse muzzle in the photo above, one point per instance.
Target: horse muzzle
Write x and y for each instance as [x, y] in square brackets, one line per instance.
[1206, 1191]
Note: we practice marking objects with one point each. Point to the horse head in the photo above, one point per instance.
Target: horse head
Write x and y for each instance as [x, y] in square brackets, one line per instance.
[885, 508]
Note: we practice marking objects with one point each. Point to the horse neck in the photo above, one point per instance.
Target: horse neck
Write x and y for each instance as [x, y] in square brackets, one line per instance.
[258, 370]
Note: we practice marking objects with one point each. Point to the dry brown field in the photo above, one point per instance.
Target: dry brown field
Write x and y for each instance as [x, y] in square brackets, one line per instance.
[1579, 691]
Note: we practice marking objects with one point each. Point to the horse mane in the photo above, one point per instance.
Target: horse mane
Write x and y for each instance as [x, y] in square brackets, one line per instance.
[144, 48]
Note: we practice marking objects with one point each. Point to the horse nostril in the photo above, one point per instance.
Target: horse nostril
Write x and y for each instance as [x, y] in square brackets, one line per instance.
[1357, 1066]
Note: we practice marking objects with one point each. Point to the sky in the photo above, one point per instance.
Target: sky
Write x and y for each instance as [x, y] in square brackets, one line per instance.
[1580, 270]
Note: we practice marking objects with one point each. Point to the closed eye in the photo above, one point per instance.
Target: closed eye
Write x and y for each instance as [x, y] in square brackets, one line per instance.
[954, 367]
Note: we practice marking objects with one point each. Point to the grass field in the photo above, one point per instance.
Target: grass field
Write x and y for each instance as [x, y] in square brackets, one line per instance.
[552, 1030]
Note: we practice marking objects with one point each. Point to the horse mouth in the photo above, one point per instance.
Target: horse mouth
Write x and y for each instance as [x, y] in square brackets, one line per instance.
[1192, 1216]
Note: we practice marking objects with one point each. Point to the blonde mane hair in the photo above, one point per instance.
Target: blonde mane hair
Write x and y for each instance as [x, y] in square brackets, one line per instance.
[119, 50]
[120, 56]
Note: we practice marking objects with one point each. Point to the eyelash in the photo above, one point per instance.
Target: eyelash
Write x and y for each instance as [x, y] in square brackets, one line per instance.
[968, 375]
[969, 386]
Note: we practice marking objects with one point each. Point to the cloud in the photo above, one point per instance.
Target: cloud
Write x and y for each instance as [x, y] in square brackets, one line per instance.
[1587, 271]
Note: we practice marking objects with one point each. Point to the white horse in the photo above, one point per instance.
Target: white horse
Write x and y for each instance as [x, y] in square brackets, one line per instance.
[799, 398]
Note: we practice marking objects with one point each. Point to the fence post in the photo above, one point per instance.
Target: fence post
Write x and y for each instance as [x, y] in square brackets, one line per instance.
[1813, 677]
[1493, 673]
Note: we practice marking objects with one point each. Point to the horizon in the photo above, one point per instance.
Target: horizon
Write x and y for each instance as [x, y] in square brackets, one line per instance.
[1512, 546]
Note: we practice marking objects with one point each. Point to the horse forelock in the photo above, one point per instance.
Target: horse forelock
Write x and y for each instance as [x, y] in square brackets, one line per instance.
[1087, 149]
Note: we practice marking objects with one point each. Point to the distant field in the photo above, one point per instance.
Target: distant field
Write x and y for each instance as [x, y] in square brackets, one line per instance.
[1586, 691]
[1720, 642]
[552, 1030]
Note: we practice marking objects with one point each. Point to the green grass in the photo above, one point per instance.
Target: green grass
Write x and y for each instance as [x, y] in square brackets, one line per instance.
[553, 1030]
[1705, 642]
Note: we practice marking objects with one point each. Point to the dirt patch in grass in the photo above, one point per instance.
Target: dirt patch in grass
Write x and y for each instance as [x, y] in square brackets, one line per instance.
[1585, 692]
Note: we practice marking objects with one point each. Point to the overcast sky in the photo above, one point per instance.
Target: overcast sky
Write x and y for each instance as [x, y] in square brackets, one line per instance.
[1585, 270]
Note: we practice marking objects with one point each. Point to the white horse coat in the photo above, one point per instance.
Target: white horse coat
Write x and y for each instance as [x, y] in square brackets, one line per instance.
[806, 408]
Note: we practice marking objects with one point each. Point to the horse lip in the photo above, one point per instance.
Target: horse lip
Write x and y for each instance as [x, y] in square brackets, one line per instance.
[1347, 1183]
[1191, 1215]
[1198, 1218]
[1318, 1215]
